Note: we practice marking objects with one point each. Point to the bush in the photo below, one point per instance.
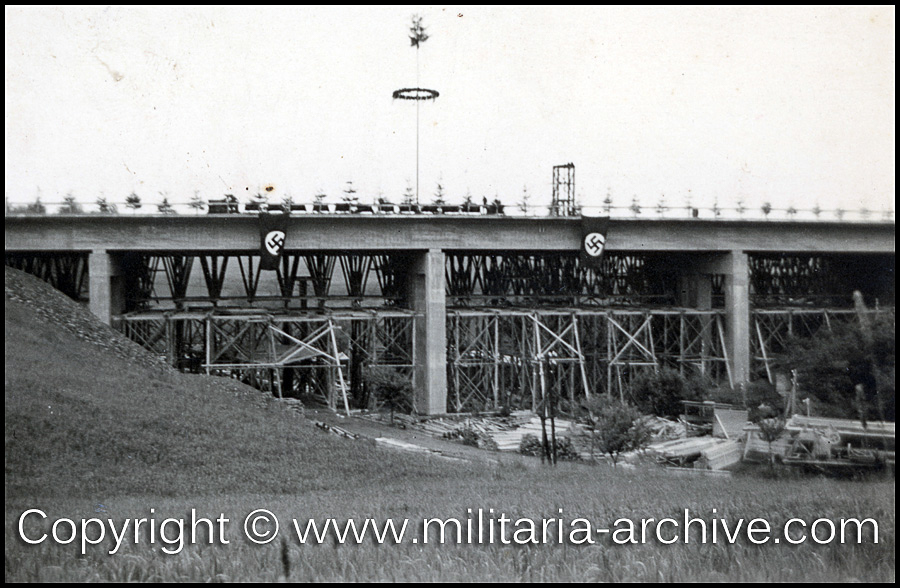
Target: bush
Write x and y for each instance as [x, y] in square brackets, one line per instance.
[831, 363]
[565, 450]
[763, 401]
[617, 427]
[661, 392]
[391, 387]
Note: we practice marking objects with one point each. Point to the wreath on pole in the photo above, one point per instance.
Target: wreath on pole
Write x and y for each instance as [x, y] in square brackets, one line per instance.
[415, 94]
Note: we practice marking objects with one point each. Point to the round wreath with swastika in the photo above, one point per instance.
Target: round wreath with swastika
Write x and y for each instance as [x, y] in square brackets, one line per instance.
[594, 243]
[274, 242]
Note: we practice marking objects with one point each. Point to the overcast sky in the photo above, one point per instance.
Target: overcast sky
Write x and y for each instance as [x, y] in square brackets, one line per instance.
[794, 106]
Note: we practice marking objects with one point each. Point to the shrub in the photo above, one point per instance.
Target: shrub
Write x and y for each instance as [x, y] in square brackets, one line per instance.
[763, 401]
[831, 363]
[391, 387]
[770, 429]
[661, 392]
[565, 449]
[617, 427]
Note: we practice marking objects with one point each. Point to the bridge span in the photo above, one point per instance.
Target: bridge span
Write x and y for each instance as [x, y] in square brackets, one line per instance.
[374, 232]
[463, 284]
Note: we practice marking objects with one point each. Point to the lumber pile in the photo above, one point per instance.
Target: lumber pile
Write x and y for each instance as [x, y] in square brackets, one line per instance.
[391, 443]
[402, 445]
[681, 452]
[336, 430]
[720, 456]
[849, 430]
[663, 429]
[294, 405]
[475, 430]
[511, 440]
[695, 472]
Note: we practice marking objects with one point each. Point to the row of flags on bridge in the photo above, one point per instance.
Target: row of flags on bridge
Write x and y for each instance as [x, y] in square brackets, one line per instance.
[273, 233]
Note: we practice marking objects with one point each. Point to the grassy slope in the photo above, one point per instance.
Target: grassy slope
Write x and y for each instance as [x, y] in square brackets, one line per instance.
[83, 422]
[85, 425]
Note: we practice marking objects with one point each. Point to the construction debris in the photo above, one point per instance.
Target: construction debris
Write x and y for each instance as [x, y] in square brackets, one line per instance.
[844, 427]
[757, 449]
[834, 445]
[336, 430]
[696, 472]
[809, 441]
[700, 416]
[663, 429]
[701, 452]
[294, 405]
[505, 433]
[720, 456]
[729, 423]
[404, 446]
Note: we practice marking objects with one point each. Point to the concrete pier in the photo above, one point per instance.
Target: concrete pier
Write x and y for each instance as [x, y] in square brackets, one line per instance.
[737, 315]
[428, 296]
[106, 285]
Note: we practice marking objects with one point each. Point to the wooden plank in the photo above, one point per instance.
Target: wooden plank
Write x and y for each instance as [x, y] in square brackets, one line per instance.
[697, 472]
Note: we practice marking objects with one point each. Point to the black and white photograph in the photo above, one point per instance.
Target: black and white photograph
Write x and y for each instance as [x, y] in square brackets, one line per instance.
[450, 293]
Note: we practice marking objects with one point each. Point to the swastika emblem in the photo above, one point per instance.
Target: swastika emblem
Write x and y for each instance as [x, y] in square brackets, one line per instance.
[593, 244]
[274, 242]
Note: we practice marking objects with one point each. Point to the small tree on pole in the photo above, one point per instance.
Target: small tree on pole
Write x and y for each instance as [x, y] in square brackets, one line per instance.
[197, 202]
[70, 205]
[439, 199]
[350, 196]
[133, 201]
[524, 205]
[417, 36]
[409, 197]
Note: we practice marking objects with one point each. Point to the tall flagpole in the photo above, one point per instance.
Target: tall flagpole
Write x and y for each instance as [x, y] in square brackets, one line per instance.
[417, 126]
[417, 36]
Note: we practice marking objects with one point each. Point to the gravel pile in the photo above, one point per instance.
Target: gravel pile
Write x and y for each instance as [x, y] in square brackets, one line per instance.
[58, 309]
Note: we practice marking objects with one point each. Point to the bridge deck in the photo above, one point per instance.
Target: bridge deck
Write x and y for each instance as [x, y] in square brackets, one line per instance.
[337, 232]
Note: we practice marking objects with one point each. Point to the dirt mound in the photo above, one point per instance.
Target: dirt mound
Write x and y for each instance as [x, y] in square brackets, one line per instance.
[58, 309]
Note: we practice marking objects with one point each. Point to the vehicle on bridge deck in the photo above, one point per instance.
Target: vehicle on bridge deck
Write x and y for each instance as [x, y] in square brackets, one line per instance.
[230, 205]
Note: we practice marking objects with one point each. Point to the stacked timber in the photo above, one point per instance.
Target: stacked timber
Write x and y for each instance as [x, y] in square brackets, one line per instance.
[336, 430]
[720, 456]
[872, 427]
[403, 445]
[681, 452]
[850, 431]
[294, 405]
[511, 440]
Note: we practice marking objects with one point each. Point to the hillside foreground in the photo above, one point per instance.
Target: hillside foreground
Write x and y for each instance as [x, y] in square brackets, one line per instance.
[98, 428]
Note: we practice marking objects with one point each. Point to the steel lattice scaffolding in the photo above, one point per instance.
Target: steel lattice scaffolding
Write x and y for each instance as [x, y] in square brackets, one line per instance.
[772, 331]
[504, 357]
[322, 354]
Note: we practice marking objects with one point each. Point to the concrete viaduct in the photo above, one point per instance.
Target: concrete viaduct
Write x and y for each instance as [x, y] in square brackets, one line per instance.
[712, 246]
